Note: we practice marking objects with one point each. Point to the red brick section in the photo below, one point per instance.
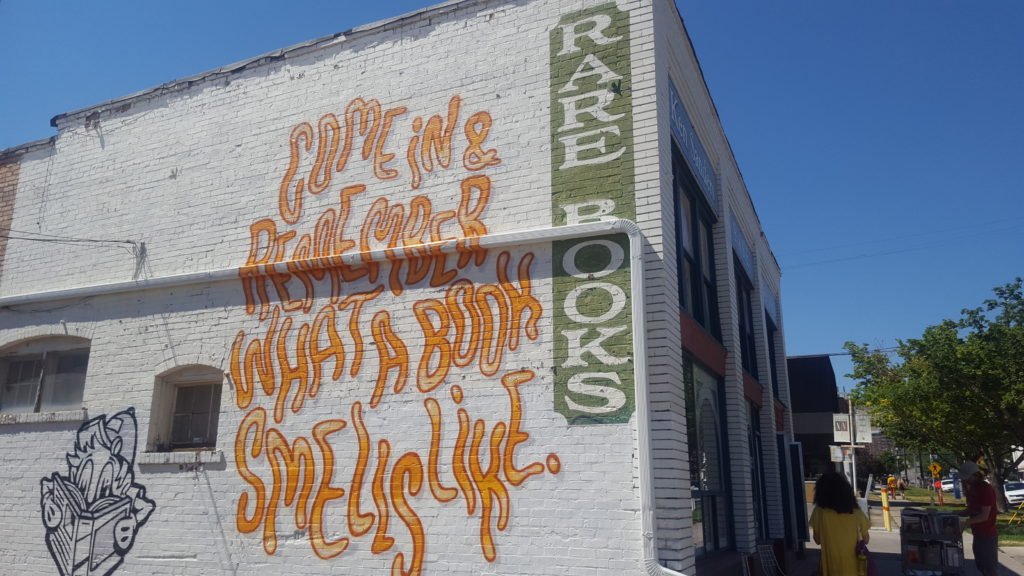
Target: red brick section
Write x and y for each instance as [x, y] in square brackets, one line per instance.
[702, 345]
[752, 390]
[8, 189]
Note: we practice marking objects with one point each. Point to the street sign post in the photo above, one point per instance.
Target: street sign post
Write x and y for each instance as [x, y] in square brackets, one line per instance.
[935, 469]
[849, 430]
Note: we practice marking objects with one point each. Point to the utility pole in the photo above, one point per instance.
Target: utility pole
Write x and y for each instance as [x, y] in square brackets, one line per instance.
[853, 444]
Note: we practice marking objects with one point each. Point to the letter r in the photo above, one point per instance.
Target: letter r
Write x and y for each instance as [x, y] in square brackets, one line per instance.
[571, 33]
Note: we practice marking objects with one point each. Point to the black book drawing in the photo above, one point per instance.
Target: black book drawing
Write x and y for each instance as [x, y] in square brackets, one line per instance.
[94, 512]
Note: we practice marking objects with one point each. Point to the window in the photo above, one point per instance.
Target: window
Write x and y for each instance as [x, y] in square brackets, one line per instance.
[773, 358]
[195, 416]
[709, 484]
[44, 375]
[695, 249]
[745, 309]
[757, 473]
[186, 409]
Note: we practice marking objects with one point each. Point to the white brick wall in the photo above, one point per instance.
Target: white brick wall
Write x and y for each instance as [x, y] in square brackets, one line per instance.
[680, 66]
[186, 169]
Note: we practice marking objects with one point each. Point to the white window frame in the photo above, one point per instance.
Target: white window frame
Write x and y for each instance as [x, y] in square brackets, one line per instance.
[165, 409]
[49, 351]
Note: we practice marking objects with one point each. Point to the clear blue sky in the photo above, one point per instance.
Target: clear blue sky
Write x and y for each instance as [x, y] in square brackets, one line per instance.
[882, 141]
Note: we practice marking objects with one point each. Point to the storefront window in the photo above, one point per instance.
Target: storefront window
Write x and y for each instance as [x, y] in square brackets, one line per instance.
[711, 514]
[757, 473]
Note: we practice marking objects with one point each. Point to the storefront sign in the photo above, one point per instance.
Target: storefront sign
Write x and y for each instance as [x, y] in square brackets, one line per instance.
[692, 149]
[591, 181]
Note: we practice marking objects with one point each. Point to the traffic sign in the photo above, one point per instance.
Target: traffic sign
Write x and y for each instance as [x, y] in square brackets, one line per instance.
[935, 469]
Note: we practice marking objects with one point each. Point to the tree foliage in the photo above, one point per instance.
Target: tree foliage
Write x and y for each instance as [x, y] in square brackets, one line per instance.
[959, 387]
[879, 464]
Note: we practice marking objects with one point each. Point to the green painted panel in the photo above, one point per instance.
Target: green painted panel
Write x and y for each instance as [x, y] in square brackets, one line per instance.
[592, 179]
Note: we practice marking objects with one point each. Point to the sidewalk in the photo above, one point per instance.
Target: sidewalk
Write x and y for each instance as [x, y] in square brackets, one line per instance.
[885, 548]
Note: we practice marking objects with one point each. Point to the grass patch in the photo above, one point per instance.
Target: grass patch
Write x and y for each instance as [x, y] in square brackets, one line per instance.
[923, 498]
[1009, 534]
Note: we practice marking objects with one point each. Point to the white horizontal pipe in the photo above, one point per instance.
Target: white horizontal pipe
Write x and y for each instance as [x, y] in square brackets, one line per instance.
[232, 273]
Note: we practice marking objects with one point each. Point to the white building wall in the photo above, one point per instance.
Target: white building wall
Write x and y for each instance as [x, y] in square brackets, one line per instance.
[677, 58]
[668, 409]
[187, 178]
[189, 170]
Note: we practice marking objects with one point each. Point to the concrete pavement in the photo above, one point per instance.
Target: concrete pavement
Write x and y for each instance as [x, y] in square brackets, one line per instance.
[885, 548]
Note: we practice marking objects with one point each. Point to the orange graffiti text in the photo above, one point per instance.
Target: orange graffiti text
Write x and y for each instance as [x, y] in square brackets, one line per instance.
[302, 479]
[471, 324]
[398, 229]
[328, 148]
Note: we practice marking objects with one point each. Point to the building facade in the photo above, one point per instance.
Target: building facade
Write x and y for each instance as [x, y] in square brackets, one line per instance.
[372, 304]
[815, 400]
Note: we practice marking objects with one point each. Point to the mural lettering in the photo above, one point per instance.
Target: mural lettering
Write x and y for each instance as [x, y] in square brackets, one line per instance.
[93, 514]
[338, 474]
[592, 180]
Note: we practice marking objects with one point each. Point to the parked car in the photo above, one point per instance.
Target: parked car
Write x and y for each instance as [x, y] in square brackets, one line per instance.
[947, 485]
[1014, 492]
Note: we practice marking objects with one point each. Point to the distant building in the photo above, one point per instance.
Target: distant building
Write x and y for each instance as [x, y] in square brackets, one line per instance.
[815, 398]
[880, 444]
[477, 289]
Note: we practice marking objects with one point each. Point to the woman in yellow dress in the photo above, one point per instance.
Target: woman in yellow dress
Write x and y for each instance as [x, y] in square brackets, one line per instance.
[837, 524]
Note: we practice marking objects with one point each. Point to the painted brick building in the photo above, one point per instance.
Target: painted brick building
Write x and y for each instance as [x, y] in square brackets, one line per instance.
[372, 304]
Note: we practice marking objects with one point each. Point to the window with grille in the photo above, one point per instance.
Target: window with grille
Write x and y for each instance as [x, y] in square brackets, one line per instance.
[695, 251]
[196, 408]
[46, 375]
[745, 310]
[186, 409]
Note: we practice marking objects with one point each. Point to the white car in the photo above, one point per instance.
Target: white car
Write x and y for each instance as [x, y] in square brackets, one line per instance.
[1014, 492]
[947, 485]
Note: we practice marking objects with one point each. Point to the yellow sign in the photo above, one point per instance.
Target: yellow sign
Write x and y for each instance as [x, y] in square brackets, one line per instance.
[935, 468]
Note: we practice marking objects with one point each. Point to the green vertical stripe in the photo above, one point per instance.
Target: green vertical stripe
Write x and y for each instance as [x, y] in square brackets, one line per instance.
[591, 178]
[572, 182]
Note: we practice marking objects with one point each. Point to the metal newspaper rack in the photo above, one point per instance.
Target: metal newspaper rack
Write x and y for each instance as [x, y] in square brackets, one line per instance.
[931, 543]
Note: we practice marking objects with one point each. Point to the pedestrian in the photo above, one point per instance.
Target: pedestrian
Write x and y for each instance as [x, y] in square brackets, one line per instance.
[891, 481]
[981, 518]
[901, 485]
[838, 524]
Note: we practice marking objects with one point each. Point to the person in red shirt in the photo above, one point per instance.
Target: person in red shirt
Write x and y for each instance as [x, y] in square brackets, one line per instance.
[981, 518]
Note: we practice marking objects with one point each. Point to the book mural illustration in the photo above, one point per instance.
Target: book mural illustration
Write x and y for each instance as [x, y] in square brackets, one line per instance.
[93, 513]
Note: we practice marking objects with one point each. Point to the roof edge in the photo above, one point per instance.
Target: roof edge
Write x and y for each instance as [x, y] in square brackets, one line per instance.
[25, 148]
[272, 56]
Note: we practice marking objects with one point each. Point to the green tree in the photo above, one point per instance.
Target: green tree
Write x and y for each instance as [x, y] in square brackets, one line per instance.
[958, 388]
[880, 464]
[870, 463]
